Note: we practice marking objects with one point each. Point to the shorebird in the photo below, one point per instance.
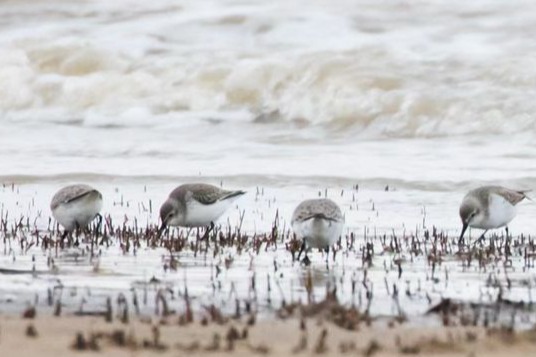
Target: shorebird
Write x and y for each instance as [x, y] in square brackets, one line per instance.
[196, 205]
[318, 223]
[489, 207]
[75, 206]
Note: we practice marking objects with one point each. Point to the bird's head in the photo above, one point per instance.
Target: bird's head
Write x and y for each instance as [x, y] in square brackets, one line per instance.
[469, 210]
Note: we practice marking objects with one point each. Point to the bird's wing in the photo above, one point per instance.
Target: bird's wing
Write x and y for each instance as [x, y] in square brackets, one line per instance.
[69, 194]
[512, 196]
[208, 194]
[231, 194]
[309, 209]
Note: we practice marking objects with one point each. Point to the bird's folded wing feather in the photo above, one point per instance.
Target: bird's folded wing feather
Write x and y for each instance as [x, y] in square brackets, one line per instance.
[208, 196]
[514, 197]
[325, 211]
[73, 193]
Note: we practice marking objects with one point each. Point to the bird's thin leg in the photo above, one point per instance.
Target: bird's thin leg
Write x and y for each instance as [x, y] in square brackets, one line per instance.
[188, 232]
[209, 229]
[327, 258]
[306, 261]
[481, 238]
[63, 236]
[75, 232]
[507, 250]
[99, 223]
[302, 249]
[212, 226]
[78, 229]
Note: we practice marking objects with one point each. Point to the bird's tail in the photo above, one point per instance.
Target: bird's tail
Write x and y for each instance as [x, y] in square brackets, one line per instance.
[524, 193]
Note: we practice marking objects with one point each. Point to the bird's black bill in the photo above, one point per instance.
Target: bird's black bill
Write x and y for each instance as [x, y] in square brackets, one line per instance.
[160, 230]
[464, 228]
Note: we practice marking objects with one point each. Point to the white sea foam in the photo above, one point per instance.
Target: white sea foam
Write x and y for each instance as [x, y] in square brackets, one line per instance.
[300, 89]
[385, 68]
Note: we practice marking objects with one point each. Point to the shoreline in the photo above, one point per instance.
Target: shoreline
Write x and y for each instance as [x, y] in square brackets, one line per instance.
[48, 336]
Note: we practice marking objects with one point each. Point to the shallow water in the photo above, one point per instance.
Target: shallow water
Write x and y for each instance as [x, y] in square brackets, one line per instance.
[290, 99]
[83, 283]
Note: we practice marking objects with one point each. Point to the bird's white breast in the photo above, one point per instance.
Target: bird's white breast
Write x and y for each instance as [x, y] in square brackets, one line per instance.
[81, 211]
[318, 232]
[501, 212]
[198, 214]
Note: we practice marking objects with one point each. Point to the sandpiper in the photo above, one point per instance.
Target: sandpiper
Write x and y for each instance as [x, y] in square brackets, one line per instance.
[75, 206]
[318, 223]
[195, 205]
[489, 207]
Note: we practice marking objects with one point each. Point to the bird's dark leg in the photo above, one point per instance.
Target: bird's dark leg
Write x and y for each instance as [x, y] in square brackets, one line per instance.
[507, 250]
[301, 249]
[327, 258]
[481, 238]
[78, 231]
[63, 236]
[306, 261]
[99, 223]
[209, 229]
[188, 232]
[212, 226]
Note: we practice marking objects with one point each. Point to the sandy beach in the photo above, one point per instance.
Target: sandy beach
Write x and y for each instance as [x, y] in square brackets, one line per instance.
[49, 336]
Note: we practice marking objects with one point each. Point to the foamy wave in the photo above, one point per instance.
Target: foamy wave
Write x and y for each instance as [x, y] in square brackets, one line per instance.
[401, 79]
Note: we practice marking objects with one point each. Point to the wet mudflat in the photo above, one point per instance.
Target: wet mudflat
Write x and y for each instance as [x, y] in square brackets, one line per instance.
[247, 264]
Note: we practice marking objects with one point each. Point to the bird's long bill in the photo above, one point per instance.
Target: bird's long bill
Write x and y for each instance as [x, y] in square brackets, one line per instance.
[161, 229]
[464, 228]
